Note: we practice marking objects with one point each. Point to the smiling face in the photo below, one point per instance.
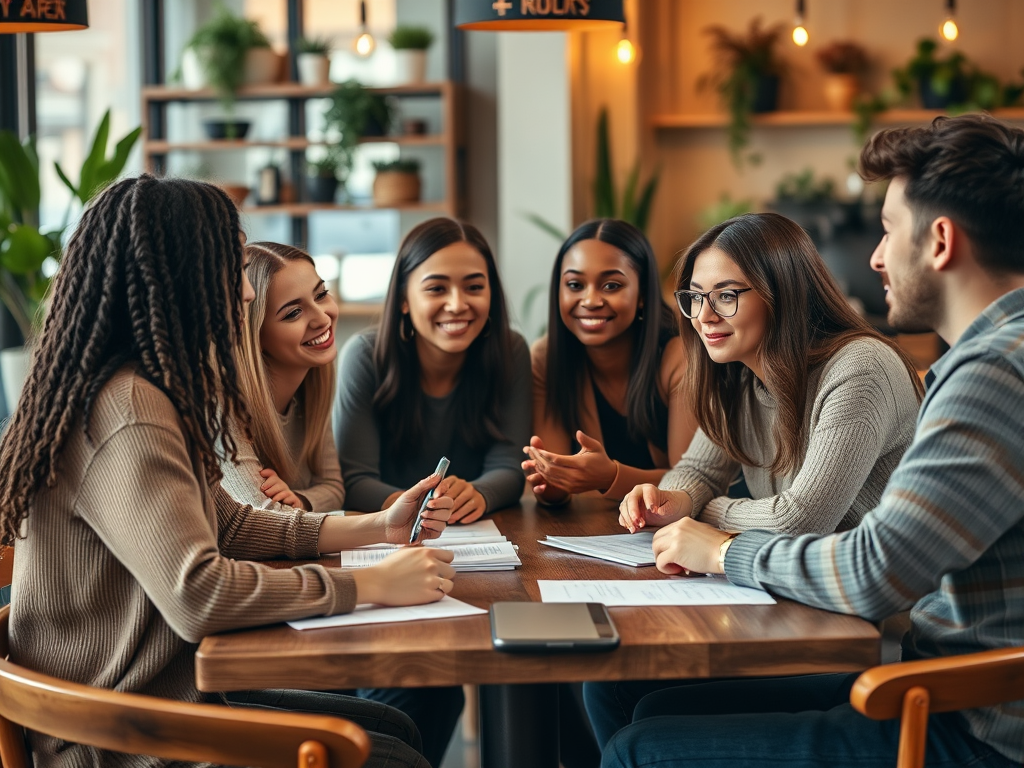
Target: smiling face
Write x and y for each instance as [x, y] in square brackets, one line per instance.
[910, 287]
[448, 300]
[728, 339]
[298, 328]
[599, 292]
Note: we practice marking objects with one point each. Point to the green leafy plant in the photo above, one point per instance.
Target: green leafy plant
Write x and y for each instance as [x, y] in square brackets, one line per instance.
[632, 205]
[319, 45]
[403, 38]
[804, 189]
[742, 62]
[329, 165]
[221, 45]
[401, 165]
[724, 209]
[954, 80]
[23, 246]
[352, 109]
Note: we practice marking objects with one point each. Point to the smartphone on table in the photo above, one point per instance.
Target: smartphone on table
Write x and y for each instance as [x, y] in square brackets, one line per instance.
[545, 627]
[417, 526]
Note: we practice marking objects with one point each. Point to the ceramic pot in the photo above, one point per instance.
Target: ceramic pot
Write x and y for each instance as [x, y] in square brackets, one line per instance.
[192, 75]
[14, 364]
[391, 188]
[840, 91]
[322, 189]
[766, 94]
[262, 66]
[412, 65]
[314, 68]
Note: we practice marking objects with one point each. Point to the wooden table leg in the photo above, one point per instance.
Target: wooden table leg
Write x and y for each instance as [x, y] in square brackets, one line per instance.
[519, 726]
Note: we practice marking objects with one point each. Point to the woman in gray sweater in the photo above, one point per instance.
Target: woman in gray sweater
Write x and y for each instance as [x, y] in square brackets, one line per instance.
[442, 375]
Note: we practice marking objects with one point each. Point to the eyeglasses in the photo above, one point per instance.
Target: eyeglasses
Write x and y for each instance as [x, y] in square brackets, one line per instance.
[724, 303]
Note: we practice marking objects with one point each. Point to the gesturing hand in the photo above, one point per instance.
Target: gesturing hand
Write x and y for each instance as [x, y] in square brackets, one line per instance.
[688, 546]
[276, 489]
[649, 505]
[400, 516]
[589, 469]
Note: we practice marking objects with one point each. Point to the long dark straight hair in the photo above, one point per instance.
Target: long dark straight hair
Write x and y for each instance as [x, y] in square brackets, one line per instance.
[151, 276]
[809, 321]
[483, 383]
[567, 357]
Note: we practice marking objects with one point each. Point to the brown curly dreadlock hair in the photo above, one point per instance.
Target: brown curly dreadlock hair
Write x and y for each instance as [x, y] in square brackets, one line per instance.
[151, 276]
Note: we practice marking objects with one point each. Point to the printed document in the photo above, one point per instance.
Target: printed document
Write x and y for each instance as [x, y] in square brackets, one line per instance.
[691, 590]
[445, 608]
[625, 548]
[497, 556]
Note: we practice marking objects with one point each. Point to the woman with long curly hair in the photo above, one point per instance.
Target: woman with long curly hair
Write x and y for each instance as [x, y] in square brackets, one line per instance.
[129, 551]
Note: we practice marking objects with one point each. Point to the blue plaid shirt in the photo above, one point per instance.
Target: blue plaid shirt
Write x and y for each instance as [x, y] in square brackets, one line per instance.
[947, 536]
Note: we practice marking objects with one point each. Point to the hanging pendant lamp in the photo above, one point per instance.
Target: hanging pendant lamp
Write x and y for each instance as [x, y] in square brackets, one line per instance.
[17, 16]
[538, 15]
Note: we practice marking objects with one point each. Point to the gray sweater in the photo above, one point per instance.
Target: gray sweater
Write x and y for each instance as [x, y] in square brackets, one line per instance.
[372, 473]
[859, 420]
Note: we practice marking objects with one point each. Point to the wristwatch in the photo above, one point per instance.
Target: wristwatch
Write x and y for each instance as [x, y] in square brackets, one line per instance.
[722, 549]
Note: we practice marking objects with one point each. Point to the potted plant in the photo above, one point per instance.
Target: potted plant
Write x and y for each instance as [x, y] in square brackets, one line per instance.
[226, 53]
[353, 113]
[29, 256]
[844, 62]
[397, 182]
[747, 74]
[411, 44]
[313, 61]
[323, 176]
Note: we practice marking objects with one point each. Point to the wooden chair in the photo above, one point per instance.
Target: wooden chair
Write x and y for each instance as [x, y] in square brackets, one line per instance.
[145, 725]
[912, 689]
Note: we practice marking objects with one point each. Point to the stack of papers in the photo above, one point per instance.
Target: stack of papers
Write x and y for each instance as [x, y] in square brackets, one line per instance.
[626, 548]
[693, 590]
[478, 547]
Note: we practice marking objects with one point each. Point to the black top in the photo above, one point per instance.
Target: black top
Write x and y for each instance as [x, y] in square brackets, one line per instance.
[619, 444]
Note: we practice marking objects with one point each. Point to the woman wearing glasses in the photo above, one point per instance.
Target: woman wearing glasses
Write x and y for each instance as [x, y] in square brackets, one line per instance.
[608, 412]
[790, 386]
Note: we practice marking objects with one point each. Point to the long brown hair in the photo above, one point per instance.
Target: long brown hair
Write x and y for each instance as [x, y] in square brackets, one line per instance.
[317, 391]
[151, 276]
[809, 321]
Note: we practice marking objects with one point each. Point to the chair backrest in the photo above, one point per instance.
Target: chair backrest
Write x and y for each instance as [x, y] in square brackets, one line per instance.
[6, 574]
[145, 725]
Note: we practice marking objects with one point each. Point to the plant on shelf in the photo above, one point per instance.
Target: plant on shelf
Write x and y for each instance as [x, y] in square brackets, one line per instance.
[222, 46]
[24, 247]
[844, 62]
[633, 204]
[397, 182]
[747, 74]
[724, 209]
[354, 112]
[953, 82]
[312, 60]
[410, 44]
[324, 174]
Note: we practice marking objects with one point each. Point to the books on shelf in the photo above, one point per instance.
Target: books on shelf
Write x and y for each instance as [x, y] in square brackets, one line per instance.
[625, 548]
[478, 547]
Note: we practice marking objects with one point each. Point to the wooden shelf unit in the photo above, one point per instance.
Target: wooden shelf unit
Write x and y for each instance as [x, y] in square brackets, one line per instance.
[811, 119]
[156, 147]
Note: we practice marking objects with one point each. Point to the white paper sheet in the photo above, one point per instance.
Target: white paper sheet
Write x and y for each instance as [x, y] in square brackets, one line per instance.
[627, 548]
[468, 557]
[445, 608]
[706, 590]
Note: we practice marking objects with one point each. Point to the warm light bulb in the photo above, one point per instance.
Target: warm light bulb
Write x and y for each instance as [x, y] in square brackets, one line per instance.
[949, 30]
[625, 51]
[800, 36]
[364, 45]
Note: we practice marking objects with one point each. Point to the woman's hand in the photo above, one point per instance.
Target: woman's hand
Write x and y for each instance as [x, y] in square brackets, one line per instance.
[276, 489]
[400, 516]
[648, 505]
[469, 504]
[410, 576]
[689, 546]
[548, 492]
[588, 470]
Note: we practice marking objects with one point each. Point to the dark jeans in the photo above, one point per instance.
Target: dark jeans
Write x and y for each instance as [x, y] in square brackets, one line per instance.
[408, 727]
[798, 722]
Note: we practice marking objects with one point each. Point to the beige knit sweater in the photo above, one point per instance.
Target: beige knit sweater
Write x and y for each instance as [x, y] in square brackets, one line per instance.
[859, 419]
[131, 559]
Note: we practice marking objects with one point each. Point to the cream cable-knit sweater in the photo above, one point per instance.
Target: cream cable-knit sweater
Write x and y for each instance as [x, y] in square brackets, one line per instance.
[131, 559]
[859, 418]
